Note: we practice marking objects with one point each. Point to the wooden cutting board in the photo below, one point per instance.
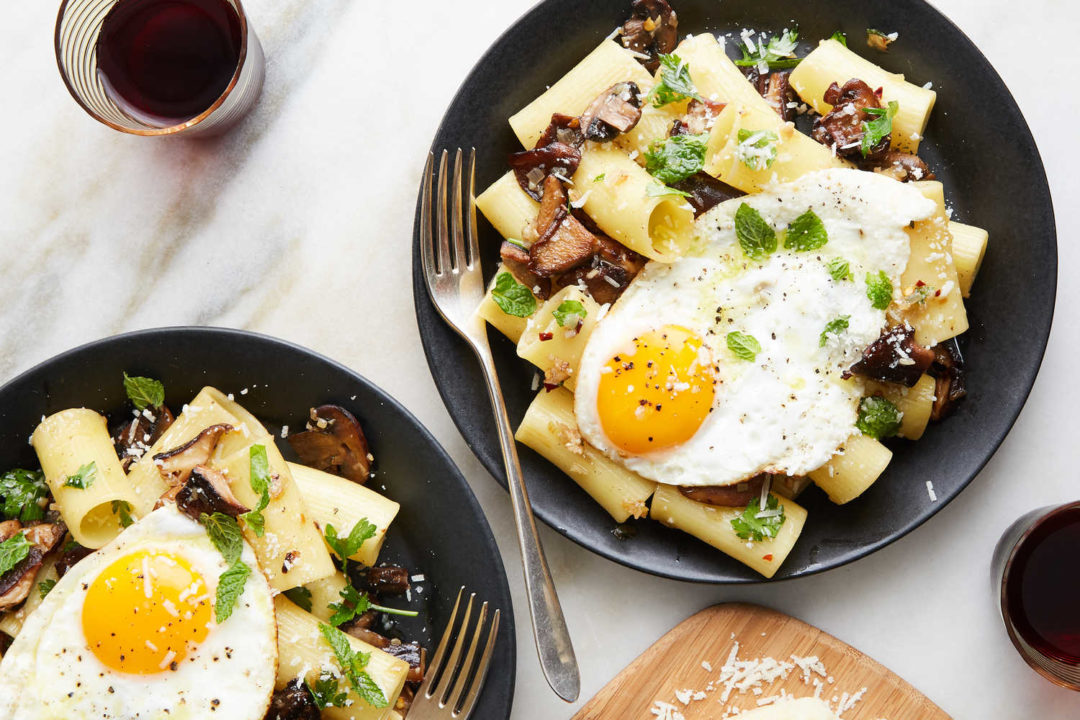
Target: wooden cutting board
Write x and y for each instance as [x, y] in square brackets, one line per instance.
[674, 664]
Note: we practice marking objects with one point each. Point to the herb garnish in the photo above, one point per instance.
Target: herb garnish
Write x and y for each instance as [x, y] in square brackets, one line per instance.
[659, 190]
[675, 83]
[839, 269]
[880, 40]
[833, 328]
[805, 233]
[352, 666]
[777, 54]
[346, 547]
[878, 417]
[876, 130]
[144, 392]
[83, 478]
[569, 312]
[45, 587]
[676, 158]
[224, 532]
[749, 526]
[300, 596]
[756, 238]
[757, 148]
[122, 509]
[355, 603]
[13, 551]
[22, 493]
[325, 693]
[259, 478]
[743, 346]
[512, 297]
[879, 289]
[839, 36]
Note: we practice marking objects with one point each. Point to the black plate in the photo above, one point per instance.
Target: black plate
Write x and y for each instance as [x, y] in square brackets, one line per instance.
[977, 143]
[438, 510]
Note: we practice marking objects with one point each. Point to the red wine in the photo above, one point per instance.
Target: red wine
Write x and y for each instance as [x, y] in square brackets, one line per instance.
[166, 61]
[1042, 590]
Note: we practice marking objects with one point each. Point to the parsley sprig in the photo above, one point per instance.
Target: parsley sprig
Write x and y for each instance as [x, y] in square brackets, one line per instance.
[259, 478]
[352, 664]
[749, 526]
[675, 84]
[777, 54]
[22, 495]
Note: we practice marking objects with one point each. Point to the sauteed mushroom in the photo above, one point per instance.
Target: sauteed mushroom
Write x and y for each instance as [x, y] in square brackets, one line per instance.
[842, 127]
[176, 465]
[615, 111]
[651, 30]
[293, 702]
[334, 443]
[737, 495]
[207, 491]
[16, 583]
[895, 357]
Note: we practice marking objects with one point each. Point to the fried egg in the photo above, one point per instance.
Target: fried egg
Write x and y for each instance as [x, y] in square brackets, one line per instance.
[717, 367]
[129, 633]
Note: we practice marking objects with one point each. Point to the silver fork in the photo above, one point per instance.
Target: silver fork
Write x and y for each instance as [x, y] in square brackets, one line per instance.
[451, 260]
[446, 701]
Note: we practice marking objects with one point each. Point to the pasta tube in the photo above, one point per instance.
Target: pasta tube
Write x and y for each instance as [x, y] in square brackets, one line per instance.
[855, 467]
[915, 404]
[549, 428]
[712, 525]
[968, 249]
[507, 207]
[545, 342]
[488, 310]
[84, 474]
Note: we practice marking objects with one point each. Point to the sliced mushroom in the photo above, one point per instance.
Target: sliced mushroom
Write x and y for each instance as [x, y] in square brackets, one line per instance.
[706, 192]
[776, 88]
[565, 129]
[175, 465]
[293, 702]
[516, 259]
[615, 111]
[16, 583]
[369, 636]
[651, 30]
[905, 167]
[384, 580]
[532, 167]
[565, 243]
[738, 495]
[950, 382]
[609, 273]
[207, 491]
[895, 357]
[842, 127]
[699, 118]
[413, 654]
[135, 436]
[71, 553]
[334, 443]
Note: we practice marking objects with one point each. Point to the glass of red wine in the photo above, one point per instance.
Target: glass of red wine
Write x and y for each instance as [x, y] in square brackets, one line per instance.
[1036, 580]
[160, 67]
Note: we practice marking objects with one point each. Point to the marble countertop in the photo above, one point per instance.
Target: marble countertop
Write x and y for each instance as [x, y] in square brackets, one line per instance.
[309, 205]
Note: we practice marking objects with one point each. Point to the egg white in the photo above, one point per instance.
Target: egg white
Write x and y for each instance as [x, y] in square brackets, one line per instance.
[50, 673]
[789, 409]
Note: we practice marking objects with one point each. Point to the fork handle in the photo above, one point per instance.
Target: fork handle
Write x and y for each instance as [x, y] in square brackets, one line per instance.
[552, 637]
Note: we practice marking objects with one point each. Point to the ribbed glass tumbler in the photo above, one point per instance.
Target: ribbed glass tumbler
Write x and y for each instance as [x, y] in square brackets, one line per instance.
[78, 28]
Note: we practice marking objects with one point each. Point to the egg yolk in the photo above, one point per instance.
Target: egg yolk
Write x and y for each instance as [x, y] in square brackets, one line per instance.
[145, 612]
[658, 393]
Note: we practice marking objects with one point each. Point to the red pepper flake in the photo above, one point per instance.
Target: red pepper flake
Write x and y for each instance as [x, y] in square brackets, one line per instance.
[879, 91]
[767, 558]
[545, 336]
[919, 283]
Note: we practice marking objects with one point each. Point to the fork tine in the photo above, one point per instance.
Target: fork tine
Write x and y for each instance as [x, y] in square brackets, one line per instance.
[436, 658]
[442, 691]
[474, 248]
[427, 240]
[460, 261]
[481, 668]
[444, 230]
[466, 665]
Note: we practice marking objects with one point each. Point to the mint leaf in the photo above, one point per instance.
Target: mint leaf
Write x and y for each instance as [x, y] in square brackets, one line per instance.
[259, 478]
[876, 130]
[658, 190]
[346, 547]
[749, 526]
[325, 692]
[806, 233]
[512, 297]
[840, 37]
[777, 54]
[600, 177]
[22, 495]
[225, 534]
[13, 551]
[756, 238]
[676, 158]
[757, 148]
[839, 269]
[743, 346]
[675, 83]
[230, 588]
[300, 596]
[569, 312]
[83, 478]
[144, 392]
[45, 587]
[833, 328]
[122, 509]
[879, 289]
[352, 667]
[355, 603]
[878, 417]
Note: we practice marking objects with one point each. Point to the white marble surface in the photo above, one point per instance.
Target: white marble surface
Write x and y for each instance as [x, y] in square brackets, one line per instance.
[309, 205]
